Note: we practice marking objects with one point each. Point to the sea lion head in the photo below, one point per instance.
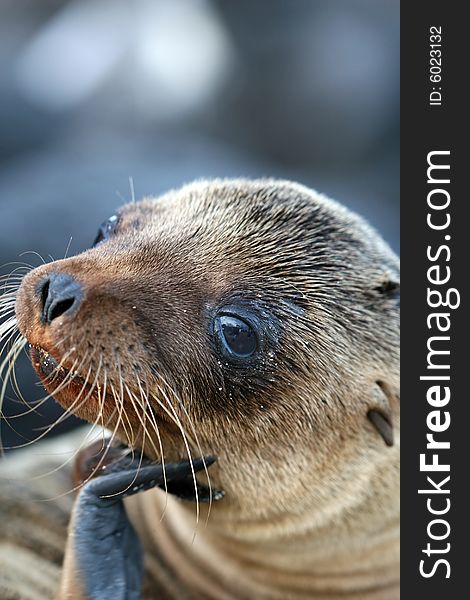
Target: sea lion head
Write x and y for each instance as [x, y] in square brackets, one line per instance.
[252, 320]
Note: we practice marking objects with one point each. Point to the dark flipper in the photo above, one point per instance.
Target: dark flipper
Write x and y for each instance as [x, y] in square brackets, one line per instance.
[108, 553]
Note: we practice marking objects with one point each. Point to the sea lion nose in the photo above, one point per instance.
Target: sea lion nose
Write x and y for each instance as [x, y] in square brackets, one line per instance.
[60, 295]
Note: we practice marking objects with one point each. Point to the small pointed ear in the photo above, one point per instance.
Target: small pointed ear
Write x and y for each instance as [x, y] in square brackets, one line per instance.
[383, 425]
[380, 415]
[389, 286]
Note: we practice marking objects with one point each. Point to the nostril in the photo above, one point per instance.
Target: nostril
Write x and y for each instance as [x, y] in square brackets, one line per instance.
[44, 291]
[60, 294]
[60, 308]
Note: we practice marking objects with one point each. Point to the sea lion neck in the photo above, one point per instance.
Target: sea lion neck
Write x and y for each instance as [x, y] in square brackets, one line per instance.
[328, 561]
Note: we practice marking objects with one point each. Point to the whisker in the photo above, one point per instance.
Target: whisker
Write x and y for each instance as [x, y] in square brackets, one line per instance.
[14, 275]
[8, 362]
[133, 444]
[63, 416]
[195, 442]
[131, 185]
[16, 347]
[101, 398]
[5, 331]
[148, 408]
[34, 406]
[92, 389]
[7, 310]
[133, 399]
[177, 421]
[119, 403]
[34, 253]
[68, 247]
[91, 475]
[15, 383]
[20, 265]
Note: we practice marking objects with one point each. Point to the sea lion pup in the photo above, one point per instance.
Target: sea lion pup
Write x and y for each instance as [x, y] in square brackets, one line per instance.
[254, 321]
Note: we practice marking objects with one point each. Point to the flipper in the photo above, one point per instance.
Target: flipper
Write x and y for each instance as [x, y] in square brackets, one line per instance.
[103, 548]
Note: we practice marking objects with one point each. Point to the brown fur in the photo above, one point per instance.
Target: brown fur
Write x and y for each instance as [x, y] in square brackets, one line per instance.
[311, 506]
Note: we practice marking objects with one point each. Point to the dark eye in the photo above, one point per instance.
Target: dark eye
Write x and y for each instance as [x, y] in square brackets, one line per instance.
[237, 338]
[106, 229]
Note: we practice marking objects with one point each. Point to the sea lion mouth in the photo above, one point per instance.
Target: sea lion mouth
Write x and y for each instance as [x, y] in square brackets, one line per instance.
[48, 367]
[46, 361]
[65, 384]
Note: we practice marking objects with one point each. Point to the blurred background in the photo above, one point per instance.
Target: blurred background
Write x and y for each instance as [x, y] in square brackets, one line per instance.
[95, 92]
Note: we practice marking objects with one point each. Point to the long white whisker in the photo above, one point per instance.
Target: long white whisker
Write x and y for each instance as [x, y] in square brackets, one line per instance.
[186, 445]
[34, 253]
[195, 442]
[93, 427]
[148, 408]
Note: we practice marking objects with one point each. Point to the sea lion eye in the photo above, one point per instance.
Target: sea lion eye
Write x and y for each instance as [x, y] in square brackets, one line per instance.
[237, 338]
[106, 229]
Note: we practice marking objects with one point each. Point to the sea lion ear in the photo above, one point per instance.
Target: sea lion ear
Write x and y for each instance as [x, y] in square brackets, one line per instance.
[383, 425]
[389, 286]
[380, 415]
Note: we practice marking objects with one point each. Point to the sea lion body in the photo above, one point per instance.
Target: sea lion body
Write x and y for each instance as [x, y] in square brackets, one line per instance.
[262, 320]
